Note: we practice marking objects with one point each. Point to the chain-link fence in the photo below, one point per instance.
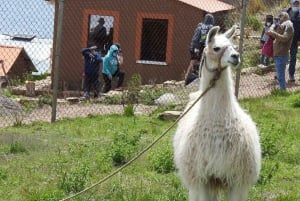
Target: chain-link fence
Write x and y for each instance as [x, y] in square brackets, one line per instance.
[42, 66]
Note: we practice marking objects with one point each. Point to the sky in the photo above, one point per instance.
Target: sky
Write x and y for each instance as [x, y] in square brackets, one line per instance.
[34, 17]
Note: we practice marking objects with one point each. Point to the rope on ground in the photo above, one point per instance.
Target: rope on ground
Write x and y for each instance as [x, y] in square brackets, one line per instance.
[212, 83]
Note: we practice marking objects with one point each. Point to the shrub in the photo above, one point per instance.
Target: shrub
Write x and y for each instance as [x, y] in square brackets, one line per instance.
[161, 159]
[267, 173]
[251, 59]
[123, 147]
[45, 99]
[17, 147]
[131, 96]
[3, 174]
[269, 145]
[254, 23]
[296, 101]
[129, 110]
[74, 180]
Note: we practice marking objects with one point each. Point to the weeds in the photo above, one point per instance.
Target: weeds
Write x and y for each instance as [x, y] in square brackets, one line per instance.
[74, 180]
[123, 147]
[73, 153]
[17, 147]
[161, 159]
[295, 102]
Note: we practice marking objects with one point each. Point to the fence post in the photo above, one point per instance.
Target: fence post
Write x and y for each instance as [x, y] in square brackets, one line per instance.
[57, 58]
[241, 44]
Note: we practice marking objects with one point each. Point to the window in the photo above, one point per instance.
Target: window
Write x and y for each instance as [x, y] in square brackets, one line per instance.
[100, 32]
[100, 28]
[154, 38]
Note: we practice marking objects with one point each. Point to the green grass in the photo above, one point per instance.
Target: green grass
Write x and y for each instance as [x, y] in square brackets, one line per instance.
[51, 161]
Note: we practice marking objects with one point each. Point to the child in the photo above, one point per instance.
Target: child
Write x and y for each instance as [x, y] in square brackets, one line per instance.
[266, 43]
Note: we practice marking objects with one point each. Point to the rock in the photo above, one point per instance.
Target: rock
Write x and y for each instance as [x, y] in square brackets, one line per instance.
[262, 69]
[167, 98]
[73, 100]
[169, 115]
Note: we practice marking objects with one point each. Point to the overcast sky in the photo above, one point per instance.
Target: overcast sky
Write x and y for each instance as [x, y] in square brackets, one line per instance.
[35, 17]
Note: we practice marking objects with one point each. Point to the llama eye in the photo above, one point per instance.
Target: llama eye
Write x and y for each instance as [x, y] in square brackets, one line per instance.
[216, 49]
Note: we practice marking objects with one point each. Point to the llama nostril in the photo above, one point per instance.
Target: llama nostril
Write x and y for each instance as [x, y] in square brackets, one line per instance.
[235, 56]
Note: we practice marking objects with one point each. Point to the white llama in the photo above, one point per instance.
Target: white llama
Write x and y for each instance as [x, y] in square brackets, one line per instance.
[216, 145]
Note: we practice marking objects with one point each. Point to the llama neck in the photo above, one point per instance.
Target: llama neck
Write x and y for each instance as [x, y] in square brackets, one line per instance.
[222, 91]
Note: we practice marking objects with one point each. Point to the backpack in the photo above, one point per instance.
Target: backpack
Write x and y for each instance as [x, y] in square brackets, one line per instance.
[204, 29]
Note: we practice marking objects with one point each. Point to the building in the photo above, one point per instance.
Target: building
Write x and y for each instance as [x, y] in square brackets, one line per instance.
[155, 35]
[14, 63]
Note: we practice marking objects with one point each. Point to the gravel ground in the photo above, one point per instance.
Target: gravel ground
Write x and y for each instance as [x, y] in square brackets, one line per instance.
[251, 85]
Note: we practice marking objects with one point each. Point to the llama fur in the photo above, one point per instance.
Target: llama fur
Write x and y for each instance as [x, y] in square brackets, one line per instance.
[216, 144]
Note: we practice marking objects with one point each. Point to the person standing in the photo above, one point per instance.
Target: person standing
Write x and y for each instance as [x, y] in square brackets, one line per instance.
[92, 60]
[293, 12]
[111, 69]
[266, 44]
[98, 36]
[197, 47]
[283, 35]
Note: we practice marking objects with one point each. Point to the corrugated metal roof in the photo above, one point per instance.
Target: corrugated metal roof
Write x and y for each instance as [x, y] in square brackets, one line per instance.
[210, 6]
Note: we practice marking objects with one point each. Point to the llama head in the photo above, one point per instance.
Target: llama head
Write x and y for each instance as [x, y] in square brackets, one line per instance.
[219, 50]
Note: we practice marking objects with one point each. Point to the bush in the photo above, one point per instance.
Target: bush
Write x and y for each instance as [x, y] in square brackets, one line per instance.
[267, 173]
[270, 143]
[161, 159]
[3, 174]
[254, 23]
[123, 147]
[17, 147]
[74, 180]
[296, 101]
[251, 59]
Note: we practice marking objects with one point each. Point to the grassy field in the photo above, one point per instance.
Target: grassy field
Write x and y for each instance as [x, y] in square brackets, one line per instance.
[51, 161]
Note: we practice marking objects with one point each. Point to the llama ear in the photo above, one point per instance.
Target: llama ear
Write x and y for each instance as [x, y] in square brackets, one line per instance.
[229, 33]
[212, 33]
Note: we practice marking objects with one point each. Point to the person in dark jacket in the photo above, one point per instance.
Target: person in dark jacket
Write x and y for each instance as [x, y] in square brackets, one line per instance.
[293, 12]
[111, 69]
[92, 60]
[197, 47]
[98, 36]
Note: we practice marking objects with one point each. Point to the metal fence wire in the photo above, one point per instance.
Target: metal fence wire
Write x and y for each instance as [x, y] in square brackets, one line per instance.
[42, 68]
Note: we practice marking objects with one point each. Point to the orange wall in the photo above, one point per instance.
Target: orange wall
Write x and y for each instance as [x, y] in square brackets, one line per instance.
[127, 15]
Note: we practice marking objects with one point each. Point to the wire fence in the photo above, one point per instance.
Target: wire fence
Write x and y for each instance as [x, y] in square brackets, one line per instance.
[42, 66]
[42, 79]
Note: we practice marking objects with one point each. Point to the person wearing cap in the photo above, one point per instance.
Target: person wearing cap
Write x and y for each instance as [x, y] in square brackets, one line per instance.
[98, 36]
[92, 60]
[283, 36]
[294, 15]
[197, 47]
[111, 69]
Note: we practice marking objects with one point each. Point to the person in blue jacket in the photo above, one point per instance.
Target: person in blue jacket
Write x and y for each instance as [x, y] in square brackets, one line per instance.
[110, 69]
[92, 60]
[294, 13]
